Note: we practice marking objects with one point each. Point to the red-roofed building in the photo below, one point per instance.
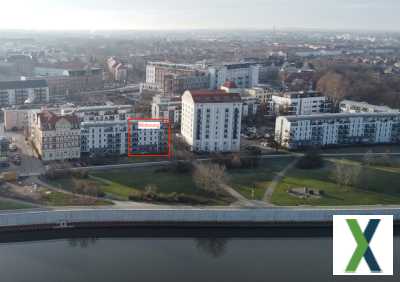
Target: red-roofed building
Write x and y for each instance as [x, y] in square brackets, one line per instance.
[56, 137]
[211, 120]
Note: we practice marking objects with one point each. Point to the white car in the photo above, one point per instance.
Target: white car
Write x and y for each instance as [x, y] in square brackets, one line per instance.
[13, 147]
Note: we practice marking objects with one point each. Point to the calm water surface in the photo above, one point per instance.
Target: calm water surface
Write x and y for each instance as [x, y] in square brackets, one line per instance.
[171, 259]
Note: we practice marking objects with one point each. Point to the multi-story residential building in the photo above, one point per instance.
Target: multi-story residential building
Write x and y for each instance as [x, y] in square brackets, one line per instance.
[244, 75]
[65, 81]
[172, 78]
[105, 137]
[211, 120]
[176, 84]
[300, 103]
[56, 137]
[21, 92]
[165, 107]
[103, 128]
[337, 129]
[347, 106]
[117, 69]
[263, 94]
[149, 137]
[16, 119]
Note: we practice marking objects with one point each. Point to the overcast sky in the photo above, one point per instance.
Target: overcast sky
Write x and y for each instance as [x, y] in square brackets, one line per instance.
[198, 14]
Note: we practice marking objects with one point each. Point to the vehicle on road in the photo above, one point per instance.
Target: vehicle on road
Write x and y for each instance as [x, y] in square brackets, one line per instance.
[13, 147]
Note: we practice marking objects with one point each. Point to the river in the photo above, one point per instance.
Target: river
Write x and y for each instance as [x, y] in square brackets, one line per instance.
[197, 255]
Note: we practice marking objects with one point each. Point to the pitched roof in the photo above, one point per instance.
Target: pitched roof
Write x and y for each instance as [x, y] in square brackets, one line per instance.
[49, 119]
[230, 84]
[19, 84]
[214, 96]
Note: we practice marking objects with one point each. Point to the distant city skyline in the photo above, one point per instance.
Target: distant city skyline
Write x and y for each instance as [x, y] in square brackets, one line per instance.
[206, 14]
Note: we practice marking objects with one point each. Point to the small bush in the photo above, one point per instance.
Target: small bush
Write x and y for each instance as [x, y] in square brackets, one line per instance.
[311, 160]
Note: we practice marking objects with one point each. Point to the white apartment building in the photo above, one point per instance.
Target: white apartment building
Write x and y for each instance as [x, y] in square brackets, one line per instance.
[103, 128]
[149, 140]
[211, 120]
[300, 103]
[347, 106]
[105, 137]
[244, 75]
[165, 107]
[263, 94]
[56, 137]
[21, 92]
[337, 129]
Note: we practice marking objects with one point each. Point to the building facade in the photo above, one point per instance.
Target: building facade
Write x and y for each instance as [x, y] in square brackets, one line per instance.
[21, 92]
[65, 81]
[149, 138]
[103, 128]
[300, 103]
[56, 137]
[211, 120]
[164, 107]
[244, 75]
[174, 79]
[117, 69]
[337, 129]
[347, 106]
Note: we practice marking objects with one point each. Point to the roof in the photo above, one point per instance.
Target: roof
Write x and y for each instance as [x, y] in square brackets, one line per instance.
[214, 96]
[339, 115]
[49, 119]
[19, 84]
[367, 105]
[230, 84]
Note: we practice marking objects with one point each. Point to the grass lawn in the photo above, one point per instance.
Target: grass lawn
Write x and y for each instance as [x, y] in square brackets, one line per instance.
[11, 205]
[56, 198]
[122, 182]
[245, 180]
[377, 185]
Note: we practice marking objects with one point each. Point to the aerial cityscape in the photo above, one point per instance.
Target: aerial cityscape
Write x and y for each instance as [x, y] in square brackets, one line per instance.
[204, 132]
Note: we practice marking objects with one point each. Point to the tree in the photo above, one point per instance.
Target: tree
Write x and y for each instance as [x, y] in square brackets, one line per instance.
[311, 160]
[334, 85]
[368, 158]
[346, 175]
[209, 177]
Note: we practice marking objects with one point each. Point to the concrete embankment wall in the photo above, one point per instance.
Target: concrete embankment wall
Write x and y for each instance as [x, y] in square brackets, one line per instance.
[175, 217]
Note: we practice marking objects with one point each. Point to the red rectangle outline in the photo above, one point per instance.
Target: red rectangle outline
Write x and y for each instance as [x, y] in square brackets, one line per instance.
[166, 121]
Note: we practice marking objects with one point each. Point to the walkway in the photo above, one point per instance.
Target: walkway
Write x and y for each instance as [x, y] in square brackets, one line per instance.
[276, 180]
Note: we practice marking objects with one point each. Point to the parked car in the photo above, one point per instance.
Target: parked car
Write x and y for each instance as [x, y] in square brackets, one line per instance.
[12, 147]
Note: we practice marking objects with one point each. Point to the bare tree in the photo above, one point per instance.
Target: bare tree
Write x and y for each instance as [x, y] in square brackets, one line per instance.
[209, 177]
[368, 158]
[346, 175]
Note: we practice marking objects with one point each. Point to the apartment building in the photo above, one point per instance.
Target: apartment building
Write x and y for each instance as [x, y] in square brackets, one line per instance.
[263, 94]
[244, 75]
[15, 119]
[149, 137]
[300, 103]
[19, 92]
[338, 129]
[63, 81]
[117, 69]
[211, 120]
[56, 137]
[166, 107]
[174, 79]
[347, 106]
[103, 129]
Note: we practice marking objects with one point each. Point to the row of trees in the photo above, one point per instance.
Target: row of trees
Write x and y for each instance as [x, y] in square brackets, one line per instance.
[362, 83]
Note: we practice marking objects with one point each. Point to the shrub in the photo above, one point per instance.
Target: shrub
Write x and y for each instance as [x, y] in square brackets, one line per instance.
[311, 160]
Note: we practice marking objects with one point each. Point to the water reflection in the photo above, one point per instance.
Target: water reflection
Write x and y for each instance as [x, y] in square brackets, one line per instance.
[82, 242]
[213, 247]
